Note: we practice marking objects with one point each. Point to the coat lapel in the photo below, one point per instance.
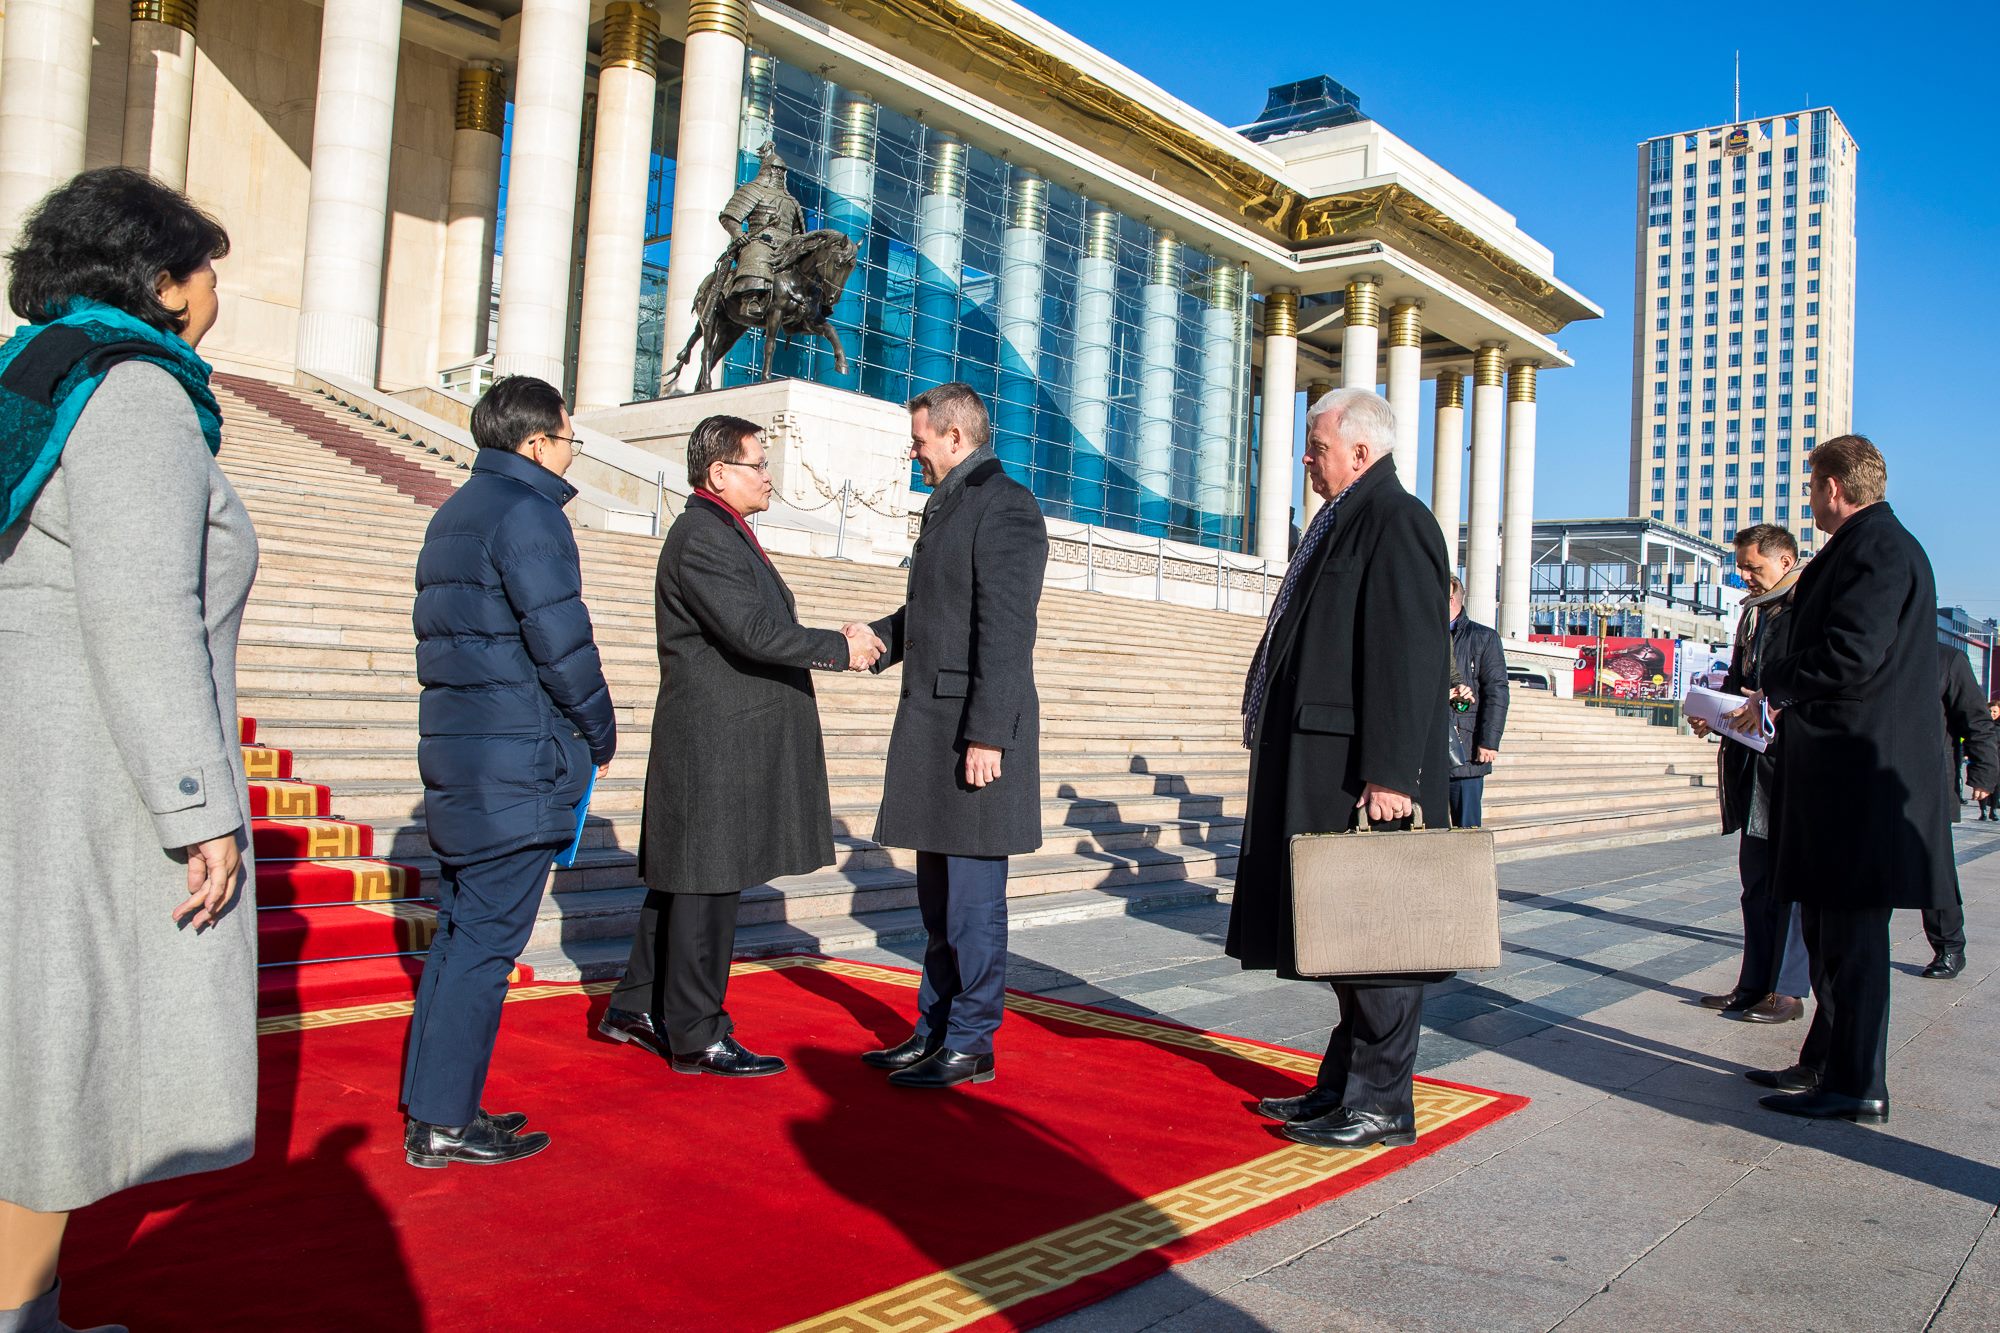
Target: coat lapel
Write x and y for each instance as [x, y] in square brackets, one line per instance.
[948, 503]
[1357, 500]
[757, 558]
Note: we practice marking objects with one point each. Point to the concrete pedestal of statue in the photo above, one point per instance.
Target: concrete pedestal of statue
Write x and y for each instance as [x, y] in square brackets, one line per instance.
[817, 439]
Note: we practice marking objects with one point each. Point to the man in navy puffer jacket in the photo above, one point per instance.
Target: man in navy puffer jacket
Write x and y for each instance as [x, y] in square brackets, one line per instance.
[514, 715]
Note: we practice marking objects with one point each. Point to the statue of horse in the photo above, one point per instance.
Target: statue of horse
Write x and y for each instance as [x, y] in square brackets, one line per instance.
[810, 274]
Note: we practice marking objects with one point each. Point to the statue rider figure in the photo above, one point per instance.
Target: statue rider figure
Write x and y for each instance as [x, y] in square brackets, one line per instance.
[760, 217]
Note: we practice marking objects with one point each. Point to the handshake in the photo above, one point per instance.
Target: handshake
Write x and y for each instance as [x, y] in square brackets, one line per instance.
[863, 647]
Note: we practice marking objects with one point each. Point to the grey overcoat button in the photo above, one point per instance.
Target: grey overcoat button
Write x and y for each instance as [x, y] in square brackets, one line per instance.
[189, 786]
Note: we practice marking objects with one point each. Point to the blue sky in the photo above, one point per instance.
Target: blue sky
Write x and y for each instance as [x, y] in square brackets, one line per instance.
[1541, 109]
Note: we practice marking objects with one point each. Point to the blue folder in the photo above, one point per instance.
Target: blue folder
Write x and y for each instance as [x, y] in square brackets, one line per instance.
[567, 856]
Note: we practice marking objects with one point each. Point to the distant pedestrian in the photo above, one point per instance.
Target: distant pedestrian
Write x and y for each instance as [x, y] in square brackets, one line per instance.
[1970, 733]
[1481, 667]
[1990, 807]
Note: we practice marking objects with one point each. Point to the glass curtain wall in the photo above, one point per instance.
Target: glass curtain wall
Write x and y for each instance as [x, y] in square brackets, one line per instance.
[1115, 358]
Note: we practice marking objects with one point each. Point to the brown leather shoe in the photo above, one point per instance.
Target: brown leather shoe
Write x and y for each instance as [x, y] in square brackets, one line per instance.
[1734, 1002]
[1774, 1009]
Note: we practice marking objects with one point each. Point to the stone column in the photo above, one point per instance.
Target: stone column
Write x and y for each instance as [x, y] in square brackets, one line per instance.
[1090, 376]
[1159, 329]
[44, 105]
[1023, 252]
[940, 261]
[466, 303]
[535, 272]
[1316, 389]
[1448, 457]
[1406, 365]
[1517, 552]
[1274, 439]
[850, 209]
[347, 209]
[1215, 438]
[1482, 537]
[614, 247]
[159, 88]
[1358, 337]
[705, 168]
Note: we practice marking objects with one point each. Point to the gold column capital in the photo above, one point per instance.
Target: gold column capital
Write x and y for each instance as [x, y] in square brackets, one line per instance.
[947, 174]
[731, 18]
[1163, 264]
[1317, 389]
[1364, 302]
[1225, 287]
[1521, 381]
[855, 135]
[1489, 365]
[180, 14]
[1281, 312]
[1406, 324]
[631, 38]
[1100, 240]
[1450, 389]
[1030, 210]
[482, 102]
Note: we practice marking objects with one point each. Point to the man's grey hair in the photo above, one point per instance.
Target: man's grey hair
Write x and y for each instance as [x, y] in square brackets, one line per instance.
[1359, 415]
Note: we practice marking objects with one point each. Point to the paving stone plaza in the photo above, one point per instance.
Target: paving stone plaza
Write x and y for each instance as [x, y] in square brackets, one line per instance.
[1643, 1188]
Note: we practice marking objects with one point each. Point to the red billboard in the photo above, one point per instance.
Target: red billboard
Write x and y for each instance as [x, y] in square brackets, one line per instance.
[1633, 668]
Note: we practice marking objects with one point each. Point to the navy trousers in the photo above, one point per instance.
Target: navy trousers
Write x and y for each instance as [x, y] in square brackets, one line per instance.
[1774, 942]
[486, 910]
[1467, 795]
[963, 900]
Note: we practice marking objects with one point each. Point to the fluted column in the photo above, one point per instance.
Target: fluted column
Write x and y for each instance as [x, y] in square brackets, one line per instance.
[706, 161]
[1517, 552]
[1361, 332]
[1090, 375]
[44, 104]
[1448, 457]
[354, 116]
[466, 302]
[614, 247]
[1215, 434]
[1482, 538]
[1274, 439]
[940, 261]
[1159, 329]
[159, 88]
[850, 208]
[1406, 364]
[541, 190]
[1023, 253]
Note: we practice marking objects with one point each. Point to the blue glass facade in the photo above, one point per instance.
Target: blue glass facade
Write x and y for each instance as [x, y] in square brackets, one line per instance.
[1116, 359]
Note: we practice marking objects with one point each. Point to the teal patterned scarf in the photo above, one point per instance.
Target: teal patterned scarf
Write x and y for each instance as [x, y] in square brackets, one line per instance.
[47, 374]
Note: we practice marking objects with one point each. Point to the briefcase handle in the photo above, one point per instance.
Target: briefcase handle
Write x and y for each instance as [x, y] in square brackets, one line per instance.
[1363, 826]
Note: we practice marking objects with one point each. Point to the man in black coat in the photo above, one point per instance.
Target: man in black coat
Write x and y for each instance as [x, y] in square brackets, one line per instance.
[1482, 669]
[1340, 714]
[736, 790]
[1859, 817]
[964, 781]
[514, 715]
[1969, 730]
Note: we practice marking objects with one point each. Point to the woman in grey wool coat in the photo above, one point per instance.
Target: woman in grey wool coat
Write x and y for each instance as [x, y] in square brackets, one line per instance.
[128, 968]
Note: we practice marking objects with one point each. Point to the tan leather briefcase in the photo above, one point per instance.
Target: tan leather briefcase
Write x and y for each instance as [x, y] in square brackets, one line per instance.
[1382, 903]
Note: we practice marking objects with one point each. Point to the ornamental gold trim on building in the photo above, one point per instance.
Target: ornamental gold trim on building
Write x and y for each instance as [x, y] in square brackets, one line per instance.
[1489, 366]
[1450, 389]
[731, 18]
[180, 14]
[1281, 313]
[1406, 325]
[482, 102]
[631, 38]
[1521, 382]
[1363, 303]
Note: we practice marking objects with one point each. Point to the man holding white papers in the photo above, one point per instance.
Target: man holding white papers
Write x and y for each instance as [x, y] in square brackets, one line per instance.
[1774, 976]
[736, 790]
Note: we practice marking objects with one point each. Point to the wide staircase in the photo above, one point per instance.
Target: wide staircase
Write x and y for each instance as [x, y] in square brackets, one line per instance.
[1143, 772]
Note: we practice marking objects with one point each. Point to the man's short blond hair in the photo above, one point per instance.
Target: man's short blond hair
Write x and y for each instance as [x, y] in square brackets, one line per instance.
[1854, 462]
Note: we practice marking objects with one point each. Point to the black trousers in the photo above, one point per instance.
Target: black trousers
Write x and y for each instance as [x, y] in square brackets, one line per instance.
[1767, 926]
[679, 968]
[1946, 928]
[1848, 1042]
[1467, 796]
[1372, 1055]
[485, 913]
[963, 900]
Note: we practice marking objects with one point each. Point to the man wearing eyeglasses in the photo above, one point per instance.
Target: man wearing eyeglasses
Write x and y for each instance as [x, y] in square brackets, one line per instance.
[736, 791]
[514, 715]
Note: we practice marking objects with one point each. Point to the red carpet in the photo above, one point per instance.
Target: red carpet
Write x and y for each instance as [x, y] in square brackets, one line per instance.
[1109, 1148]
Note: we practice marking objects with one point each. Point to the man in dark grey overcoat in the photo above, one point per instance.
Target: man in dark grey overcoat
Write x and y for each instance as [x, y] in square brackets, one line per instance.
[736, 790]
[964, 782]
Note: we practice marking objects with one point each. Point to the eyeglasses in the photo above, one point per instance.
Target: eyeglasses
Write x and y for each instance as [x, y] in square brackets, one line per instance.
[763, 465]
[569, 440]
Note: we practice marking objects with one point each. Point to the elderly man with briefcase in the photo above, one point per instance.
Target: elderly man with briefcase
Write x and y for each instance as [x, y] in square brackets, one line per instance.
[1341, 717]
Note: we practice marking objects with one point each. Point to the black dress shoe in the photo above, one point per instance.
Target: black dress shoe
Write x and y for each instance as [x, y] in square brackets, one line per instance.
[1306, 1106]
[507, 1121]
[945, 1068]
[728, 1058]
[1946, 965]
[1795, 1078]
[1342, 1128]
[635, 1029]
[901, 1056]
[481, 1143]
[1817, 1105]
[1730, 1002]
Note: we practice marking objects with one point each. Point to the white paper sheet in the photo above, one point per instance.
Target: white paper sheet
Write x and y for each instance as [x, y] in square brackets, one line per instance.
[1706, 705]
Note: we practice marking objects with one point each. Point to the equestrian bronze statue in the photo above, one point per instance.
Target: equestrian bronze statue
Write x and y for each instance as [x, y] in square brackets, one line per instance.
[775, 276]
